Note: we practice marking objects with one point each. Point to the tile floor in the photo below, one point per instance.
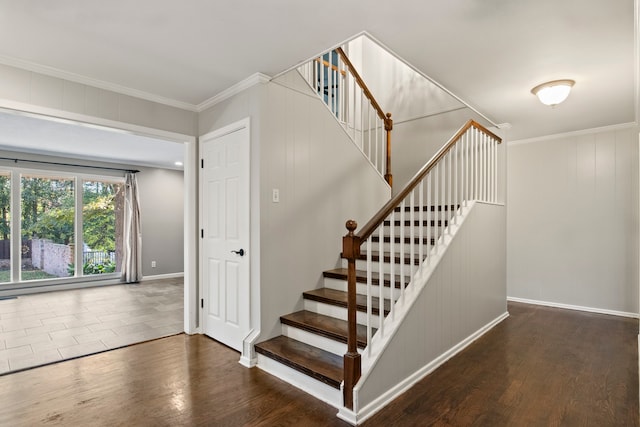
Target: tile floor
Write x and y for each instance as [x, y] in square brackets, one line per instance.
[53, 326]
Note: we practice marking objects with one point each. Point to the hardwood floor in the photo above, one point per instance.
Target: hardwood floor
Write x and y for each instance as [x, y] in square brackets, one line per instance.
[540, 367]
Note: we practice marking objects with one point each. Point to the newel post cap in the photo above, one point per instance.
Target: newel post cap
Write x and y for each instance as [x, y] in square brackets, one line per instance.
[351, 242]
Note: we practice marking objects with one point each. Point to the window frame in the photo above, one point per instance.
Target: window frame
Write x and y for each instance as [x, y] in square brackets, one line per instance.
[16, 174]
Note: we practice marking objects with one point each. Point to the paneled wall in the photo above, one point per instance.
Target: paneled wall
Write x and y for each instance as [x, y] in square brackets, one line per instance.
[465, 294]
[424, 115]
[41, 91]
[162, 218]
[416, 141]
[572, 223]
[323, 179]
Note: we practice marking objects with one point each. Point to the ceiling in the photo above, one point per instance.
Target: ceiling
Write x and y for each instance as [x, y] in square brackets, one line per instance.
[44, 135]
[489, 53]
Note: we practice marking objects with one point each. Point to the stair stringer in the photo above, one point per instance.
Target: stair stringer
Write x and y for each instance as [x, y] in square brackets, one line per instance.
[458, 294]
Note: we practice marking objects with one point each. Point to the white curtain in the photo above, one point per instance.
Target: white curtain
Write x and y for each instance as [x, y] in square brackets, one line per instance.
[132, 238]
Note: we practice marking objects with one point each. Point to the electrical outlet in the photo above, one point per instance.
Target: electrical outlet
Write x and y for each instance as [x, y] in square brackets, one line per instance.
[153, 264]
[275, 195]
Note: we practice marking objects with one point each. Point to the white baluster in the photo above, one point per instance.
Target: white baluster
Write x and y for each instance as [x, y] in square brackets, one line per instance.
[377, 143]
[369, 292]
[443, 198]
[412, 219]
[467, 166]
[429, 215]
[321, 67]
[495, 171]
[380, 269]
[421, 219]
[475, 164]
[449, 184]
[402, 247]
[392, 260]
[484, 166]
[456, 160]
[368, 129]
[436, 206]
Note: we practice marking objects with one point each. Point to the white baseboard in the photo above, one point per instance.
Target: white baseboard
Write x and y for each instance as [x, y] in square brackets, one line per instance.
[574, 307]
[382, 401]
[163, 276]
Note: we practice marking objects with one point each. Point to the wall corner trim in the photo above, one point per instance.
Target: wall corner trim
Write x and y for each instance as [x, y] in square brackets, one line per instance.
[233, 90]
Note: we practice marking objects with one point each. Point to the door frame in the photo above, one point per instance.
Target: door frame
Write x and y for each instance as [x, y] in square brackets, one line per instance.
[247, 356]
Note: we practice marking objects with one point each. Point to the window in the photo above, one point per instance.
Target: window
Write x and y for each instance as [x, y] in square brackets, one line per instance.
[5, 227]
[102, 209]
[48, 215]
[59, 227]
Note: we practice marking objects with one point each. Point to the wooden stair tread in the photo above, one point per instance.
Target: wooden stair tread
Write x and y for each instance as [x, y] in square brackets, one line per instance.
[326, 326]
[361, 277]
[339, 298]
[312, 361]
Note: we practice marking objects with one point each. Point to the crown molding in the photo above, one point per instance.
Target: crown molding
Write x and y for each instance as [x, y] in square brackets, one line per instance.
[252, 80]
[610, 128]
[77, 78]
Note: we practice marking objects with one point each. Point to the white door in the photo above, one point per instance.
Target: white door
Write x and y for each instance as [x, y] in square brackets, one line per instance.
[224, 185]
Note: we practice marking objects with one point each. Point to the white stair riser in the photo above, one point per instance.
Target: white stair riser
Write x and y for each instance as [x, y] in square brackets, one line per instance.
[326, 344]
[361, 288]
[304, 382]
[337, 312]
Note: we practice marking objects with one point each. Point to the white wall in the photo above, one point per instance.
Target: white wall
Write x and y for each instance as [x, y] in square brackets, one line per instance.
[162, 218]
[424, 115]
[572, 223]
[464, 295]
[397, 87]
[324, 180]
[30, 91]
[416, 141]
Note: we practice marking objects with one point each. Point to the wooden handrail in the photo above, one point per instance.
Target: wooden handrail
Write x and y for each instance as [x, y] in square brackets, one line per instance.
[386, 118]
[364, 87]
[332, 66]
[351, 251]
[384, 212]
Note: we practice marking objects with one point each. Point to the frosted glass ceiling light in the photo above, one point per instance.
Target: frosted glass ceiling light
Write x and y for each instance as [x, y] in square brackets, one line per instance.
[554, 92]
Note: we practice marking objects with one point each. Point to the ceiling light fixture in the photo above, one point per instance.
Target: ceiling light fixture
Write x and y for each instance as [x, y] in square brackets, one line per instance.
[178, 163]
[554, 92]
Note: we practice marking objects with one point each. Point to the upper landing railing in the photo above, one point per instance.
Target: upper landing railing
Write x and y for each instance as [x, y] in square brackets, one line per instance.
[338, 83]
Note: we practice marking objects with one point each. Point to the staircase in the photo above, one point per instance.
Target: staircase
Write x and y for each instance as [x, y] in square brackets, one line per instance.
[314, 339]
[409, 293]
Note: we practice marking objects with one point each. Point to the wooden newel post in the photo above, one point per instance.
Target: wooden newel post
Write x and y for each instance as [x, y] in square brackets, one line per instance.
[388, 126]
[351, 250]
